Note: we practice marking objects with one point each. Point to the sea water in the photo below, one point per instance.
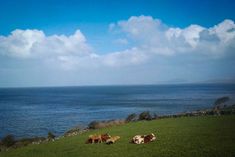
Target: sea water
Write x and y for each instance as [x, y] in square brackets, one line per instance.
[28, 112]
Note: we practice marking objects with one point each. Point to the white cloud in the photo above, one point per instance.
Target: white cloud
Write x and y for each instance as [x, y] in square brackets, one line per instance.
[142, 26]
[189, 35]
[20, 42]
[225, 31]
[153, 36]
[34, 43]
[123, 58]
[149, 38]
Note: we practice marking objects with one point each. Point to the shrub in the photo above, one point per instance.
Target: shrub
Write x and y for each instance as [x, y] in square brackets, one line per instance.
[8, 140]
[24, 141]
[155, 116]
[145, 116]
[93, 125]
[104, 124]
[220, 102]
[210, 112]
[50, 135]
[131, 117]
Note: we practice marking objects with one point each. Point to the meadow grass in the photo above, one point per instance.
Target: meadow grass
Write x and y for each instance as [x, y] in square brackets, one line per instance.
[185, 136]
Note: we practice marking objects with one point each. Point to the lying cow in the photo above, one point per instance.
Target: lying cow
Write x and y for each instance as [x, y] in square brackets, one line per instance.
[140, 139]
[112, 140]
[94, 139]
[98, 138]
[105, 137]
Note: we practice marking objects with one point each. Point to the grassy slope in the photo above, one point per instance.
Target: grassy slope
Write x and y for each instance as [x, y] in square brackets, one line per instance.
[188, 136]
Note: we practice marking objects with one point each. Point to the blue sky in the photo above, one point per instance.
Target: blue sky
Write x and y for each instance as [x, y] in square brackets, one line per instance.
[115, 42]
[47, 14]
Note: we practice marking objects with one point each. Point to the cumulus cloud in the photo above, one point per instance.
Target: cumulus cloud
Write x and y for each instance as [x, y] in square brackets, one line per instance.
[149, 38]
[34, 43]
[155, 37]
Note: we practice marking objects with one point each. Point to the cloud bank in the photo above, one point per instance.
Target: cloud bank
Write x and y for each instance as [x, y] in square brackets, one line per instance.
[145, 37]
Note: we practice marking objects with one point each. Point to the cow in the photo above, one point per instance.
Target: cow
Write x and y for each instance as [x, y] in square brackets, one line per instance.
[98, 138]
[112, 140]
[105, 137]
[94, 139]
[140, 139]
[149, 138]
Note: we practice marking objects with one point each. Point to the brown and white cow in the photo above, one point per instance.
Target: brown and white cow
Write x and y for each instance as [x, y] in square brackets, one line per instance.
[140, 139]
[105, 137]
[98, 138]
[112, 140]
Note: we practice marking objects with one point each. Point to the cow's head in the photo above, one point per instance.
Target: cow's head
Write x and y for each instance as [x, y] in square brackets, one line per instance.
[104, 137]
[153, 137]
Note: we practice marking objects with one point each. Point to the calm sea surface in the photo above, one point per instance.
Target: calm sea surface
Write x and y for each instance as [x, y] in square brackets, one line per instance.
[27, 112]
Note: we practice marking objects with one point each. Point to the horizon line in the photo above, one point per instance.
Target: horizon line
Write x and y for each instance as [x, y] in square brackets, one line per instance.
[94, 85]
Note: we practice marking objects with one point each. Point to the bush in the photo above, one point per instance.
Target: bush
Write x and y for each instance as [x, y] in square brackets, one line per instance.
[210, 112]
[220, 102]
[50, 135]
[225, 112]
[93, 125]
[104, 124]
[8, 140]
[155, 116]
[24, 142]
[145, 116]
[131, 117]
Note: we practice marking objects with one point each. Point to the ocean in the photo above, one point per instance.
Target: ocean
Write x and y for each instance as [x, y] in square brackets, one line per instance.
[29, 112]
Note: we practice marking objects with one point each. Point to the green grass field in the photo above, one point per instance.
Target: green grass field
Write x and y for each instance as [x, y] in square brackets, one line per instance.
[186, 136]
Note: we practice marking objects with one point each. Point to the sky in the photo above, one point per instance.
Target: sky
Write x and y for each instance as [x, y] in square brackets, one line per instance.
[103, 42]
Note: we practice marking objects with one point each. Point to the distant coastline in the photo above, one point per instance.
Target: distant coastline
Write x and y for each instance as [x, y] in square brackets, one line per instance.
[124, 85]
